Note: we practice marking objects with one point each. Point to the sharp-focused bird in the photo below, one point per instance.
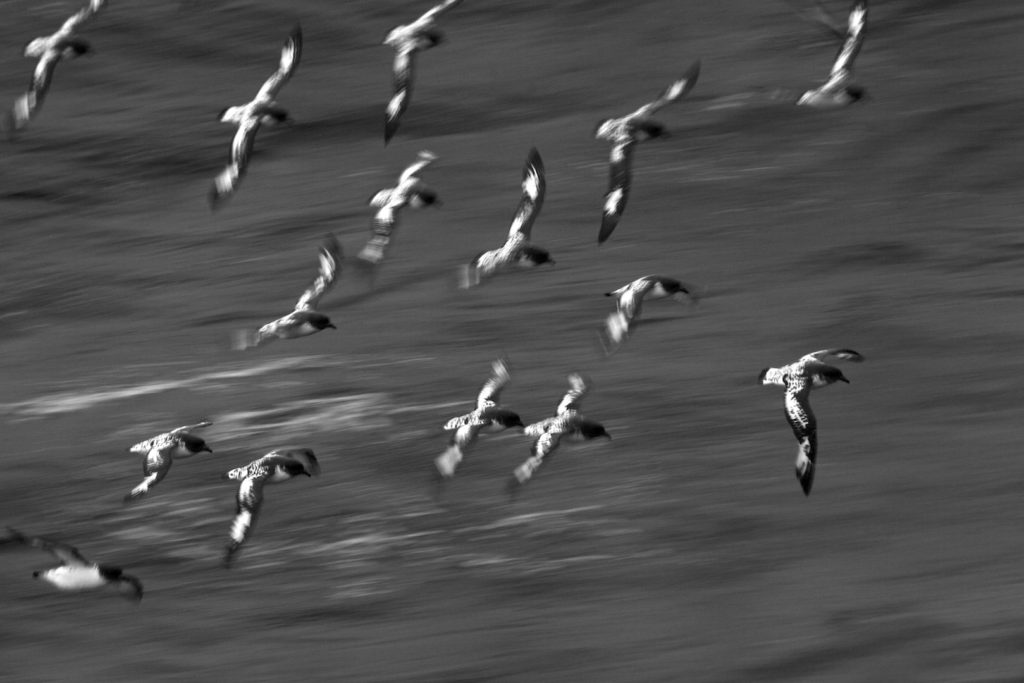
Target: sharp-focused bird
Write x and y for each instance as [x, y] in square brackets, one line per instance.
[624, 133]
[810, 372]
[272, 468]
[250, 116]
[160, 452]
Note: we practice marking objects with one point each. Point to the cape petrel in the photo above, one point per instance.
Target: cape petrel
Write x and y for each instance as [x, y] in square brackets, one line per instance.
[49, 50]
[305, 319]
[409, 191]
[407, 40]
[624, 133]
[629, 300]
[75, 572]
[272, 468]
[488, 416]
[248, 117]
[517, 252]
[567, 422]
[810, 372]
[839, 90]
[160, 452]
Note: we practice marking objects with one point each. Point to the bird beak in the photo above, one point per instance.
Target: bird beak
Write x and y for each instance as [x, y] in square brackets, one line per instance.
[330, 325]
[207, 449]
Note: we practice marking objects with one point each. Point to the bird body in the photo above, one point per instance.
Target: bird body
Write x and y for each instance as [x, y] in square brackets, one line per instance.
[160, 452]
[799, 378]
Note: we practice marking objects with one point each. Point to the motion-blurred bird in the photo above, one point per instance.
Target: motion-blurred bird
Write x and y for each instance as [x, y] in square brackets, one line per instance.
[810, 372]
[839, 90]
[160, 452]
[274, 467]
[248, 117]
[407, 40]
[517, 252]
[305, 319]
[567, 423]
[75, 573]
[49, 50]
[629, 300]
[625, 132]
[488, 416]
[409, 191]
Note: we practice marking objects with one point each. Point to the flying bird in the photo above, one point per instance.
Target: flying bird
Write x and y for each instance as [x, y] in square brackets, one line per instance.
[75, 573]
[810, 372]
[629, 300]
[49, 50]
[248, 117]
[567, 422]
[160, 452]
[407, 40]
[305, 319]
[624, 133]
[839, 90]
[409, 191]
[488, 416]
[274, 467]
[517, 252]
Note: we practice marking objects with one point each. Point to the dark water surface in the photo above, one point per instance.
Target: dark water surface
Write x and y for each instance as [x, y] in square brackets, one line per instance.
[681, 550]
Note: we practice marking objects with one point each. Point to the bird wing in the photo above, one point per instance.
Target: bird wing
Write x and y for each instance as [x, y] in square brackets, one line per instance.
[155, 467]
[491, 390]
[619, 179]
[291, 53]
[546, 443]
[532, 198]
[67, 554]
[403, 69]
[578, 388]
[188, 428]
[631, 300]
[238, 160]
[674, 92]
[330, 257]
[435, 11]
[843, 64]
[805, 429]
[80, 16]
[462, 421]
[465, 436]
[248, 501]
[423, 159]
[840, 354]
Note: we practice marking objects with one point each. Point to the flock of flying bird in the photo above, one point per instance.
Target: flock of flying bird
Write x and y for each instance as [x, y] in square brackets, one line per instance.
[623, 133]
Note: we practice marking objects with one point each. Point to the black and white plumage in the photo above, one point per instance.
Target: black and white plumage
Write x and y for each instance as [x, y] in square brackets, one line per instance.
[810, 372]
[517, 252]
[567, 423]
[49, 50]
[629, 300]
[411, 191]
[488, 416]
[160, 452]
[838, 90]
[75, 572]
[407, 40]
[272, 468]
[305, 319]
[624, 133]
[248, 117]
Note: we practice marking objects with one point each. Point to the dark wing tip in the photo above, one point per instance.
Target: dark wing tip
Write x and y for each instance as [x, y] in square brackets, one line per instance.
[761, 375]
[608, 224]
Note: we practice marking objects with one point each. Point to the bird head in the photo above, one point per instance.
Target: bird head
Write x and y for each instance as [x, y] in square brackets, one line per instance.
[593, 430]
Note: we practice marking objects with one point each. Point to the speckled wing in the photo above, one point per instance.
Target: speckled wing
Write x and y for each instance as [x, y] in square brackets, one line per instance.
[155, 468]
[840, 354]
[423, 159]
[805, 429]
[330, 257]
[578, 388]
[291, 53]
[188, 428]
[531, 200]
[67, 554]
[619, 180]
[248, 502]
[491, 391]
[402, 68]
[674, 92]
[843, 65]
